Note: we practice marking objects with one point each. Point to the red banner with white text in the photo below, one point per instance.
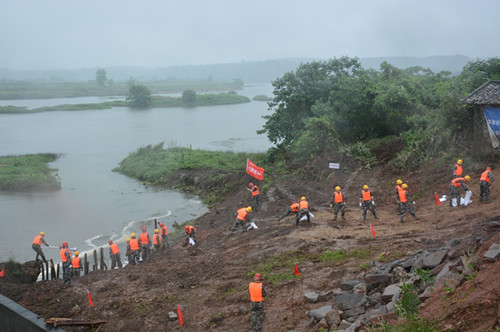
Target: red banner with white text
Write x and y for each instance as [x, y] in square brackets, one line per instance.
[254, 170]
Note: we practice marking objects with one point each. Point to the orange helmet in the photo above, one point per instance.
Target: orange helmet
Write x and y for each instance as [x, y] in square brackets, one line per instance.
[65, 244]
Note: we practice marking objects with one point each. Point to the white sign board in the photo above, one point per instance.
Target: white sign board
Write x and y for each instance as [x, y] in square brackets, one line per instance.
[334, 165]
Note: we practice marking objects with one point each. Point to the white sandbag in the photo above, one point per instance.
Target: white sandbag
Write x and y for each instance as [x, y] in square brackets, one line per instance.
[191, 241]
[252, 226]
[466, 200]
[454, 202]
[304, 217]
[443, 198]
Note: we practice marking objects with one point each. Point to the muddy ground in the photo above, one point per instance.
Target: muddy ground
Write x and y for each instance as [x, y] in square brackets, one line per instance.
[210, 280]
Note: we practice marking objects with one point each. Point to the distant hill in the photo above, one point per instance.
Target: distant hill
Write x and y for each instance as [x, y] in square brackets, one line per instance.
[249, 72]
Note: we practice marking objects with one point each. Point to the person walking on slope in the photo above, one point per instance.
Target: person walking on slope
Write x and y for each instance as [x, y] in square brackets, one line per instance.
[255, 194]
[294, 208]
[303, 211]
[457, 169]
[76, 265]
[114, 255]
[338, 203]
[134, 249]
[145, 242]
[164, 233]
[157, 240]
[37, 246]
[190, 234]
[241, 217]
[484, 185]
[257, 294]
[397, 189]
[66, 262]
[366, 201]
[455, 186]
[405, 204]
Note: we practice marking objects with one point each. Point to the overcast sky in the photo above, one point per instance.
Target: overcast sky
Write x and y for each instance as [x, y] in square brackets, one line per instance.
[66, 34]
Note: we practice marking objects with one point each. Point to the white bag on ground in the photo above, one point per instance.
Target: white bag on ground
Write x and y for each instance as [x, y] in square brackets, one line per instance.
[252, 225]
[454, 202]
[466, 200]
[191, 241]
[304, 217]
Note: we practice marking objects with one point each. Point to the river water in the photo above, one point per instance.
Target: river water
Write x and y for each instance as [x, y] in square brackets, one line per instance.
[96, 204]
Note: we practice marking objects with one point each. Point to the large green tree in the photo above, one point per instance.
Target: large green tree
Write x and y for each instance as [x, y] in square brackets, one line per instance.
[139, 96]
[100, 77]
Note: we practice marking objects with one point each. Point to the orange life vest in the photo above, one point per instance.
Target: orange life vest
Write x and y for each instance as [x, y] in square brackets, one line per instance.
[398, 188]
[156, 239]
[402, 196]
[456, 182]
[62, 252]
[255, 191]
[191, 230]
[134, 244]
[458, 171]
[114, 248]
[144, 238]
[163, 230]
[366, 194]
[485, 177]
[255, 289]
[38, 240]
[338, 197]
[303, 205]
[75, 262]
[295, 207]
[242, 214]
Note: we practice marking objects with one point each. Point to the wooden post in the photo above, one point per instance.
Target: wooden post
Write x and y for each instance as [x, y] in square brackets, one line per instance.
[43, 273]
[333, 176]
[85, 265]
[96, 266]
[156, 223]
[103, 264]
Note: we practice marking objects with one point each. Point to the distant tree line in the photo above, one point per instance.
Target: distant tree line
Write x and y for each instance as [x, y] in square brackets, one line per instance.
[337, 105]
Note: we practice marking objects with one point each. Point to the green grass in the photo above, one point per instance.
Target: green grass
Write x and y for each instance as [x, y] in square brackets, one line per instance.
[28, 173]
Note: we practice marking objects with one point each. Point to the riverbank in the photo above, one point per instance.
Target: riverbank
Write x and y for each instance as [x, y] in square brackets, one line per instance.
[29, 173]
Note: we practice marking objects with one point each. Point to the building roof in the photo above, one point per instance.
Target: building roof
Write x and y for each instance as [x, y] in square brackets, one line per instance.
[486, 94]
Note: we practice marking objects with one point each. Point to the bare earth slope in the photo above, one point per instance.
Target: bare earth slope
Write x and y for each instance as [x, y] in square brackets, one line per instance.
[209, 281]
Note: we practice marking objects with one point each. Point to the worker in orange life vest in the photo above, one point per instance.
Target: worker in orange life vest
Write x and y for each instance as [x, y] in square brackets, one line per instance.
[457, 169]
[366, 201]
[66, 262]
[294, 208]
[455, 186]
[405, 202]
[399, 182]
[190, 234]
[338, 203]
[255, 194]
[114, 255]
[484, 185]
[241, 217]
[37, 246]
[134, 248]
[257, 294]
[157, 240]
[163, 234]
[145, 242]
[303, 211]
[76, 264]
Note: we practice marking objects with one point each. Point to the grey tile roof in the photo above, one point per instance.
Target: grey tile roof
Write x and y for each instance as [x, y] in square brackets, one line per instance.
[486, 94]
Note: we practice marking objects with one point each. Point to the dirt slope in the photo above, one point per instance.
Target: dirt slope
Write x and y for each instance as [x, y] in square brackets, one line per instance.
[209, 281]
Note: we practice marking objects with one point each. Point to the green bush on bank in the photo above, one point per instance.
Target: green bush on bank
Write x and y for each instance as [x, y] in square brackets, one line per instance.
[28, 173]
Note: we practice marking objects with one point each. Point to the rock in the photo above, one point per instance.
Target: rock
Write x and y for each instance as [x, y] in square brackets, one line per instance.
[348, 285]
[434, 259]
[354, 327]
[172, 316]
[390, 291]
[444, 271]
[398, 275]
[360, 288]
[378, 278]
[243, 310]
[426, 294]
[311, 297]
[324, 296]
[344, 324]
[354, 312]
[320, 313]
[375, 299]
[493, 252]
[333, 318]
[348, 301]
[323, 324]
[418, 263]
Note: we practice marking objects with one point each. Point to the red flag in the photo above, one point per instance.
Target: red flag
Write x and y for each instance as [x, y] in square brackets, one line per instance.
[179, 313]
[373, 231]
[254, 170]
[90, 299]
[438, 201]
[296, 272]
[2, 273]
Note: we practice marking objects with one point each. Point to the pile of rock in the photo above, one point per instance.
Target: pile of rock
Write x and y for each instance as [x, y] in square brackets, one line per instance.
[359, 303]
